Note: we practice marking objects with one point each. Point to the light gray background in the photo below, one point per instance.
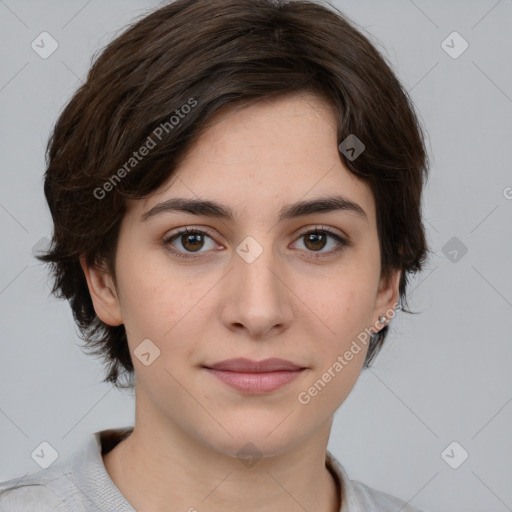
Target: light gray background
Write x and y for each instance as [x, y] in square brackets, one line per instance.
[444, 374]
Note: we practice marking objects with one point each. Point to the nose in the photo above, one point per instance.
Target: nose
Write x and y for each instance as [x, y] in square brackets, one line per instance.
[257, 296]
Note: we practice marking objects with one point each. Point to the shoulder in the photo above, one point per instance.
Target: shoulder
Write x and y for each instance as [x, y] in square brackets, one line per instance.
[358, 497]
[375, 500]
[32, 492]
[73, 484]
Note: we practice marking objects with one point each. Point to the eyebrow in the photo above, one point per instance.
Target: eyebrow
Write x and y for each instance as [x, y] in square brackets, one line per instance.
[213, 209]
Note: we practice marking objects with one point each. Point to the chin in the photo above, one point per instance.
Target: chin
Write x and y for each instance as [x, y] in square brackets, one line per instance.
[257, 439]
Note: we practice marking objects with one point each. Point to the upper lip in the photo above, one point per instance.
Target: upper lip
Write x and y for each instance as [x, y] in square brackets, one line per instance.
[248, 366]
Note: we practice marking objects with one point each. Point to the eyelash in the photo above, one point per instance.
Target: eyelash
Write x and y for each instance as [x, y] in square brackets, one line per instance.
[342, 243]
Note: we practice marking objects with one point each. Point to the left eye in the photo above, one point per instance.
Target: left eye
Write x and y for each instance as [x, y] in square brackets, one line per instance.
[192, 240]
[319, 237]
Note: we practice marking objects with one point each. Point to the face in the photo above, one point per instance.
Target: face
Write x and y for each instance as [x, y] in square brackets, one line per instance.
[252, 286]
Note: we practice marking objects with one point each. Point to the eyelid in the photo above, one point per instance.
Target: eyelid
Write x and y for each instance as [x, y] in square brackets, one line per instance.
[183, 230]
[303, 231]
[323, 227]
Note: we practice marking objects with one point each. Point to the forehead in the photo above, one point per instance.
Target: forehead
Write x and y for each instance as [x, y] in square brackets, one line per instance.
[256, 158]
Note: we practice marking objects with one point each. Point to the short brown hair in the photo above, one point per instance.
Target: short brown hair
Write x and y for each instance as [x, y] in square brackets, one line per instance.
[210, 54]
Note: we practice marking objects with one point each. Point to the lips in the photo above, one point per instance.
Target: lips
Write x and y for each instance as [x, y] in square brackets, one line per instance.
[243, 365]
[255, 377]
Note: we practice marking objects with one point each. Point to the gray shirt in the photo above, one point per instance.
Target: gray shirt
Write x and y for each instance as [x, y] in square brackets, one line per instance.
[80, 483]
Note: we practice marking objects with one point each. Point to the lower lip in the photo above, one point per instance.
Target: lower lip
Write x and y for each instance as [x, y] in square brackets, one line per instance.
[256, 383]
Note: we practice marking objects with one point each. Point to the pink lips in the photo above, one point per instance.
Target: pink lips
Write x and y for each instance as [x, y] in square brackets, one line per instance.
[255, 377]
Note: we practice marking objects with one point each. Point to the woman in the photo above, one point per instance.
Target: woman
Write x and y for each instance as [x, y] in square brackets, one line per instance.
[236, 197]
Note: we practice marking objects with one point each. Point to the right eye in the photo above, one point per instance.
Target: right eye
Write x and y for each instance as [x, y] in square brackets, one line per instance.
[190, 239]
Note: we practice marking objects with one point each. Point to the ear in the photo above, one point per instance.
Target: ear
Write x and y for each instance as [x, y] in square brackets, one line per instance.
[103, 294]
[387, 299]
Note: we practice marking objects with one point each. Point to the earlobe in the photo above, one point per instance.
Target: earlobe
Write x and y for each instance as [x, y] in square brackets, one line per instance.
[103, 294]
[388, 297]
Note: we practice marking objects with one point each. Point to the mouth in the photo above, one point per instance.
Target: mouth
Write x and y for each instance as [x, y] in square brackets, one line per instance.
[255, 377]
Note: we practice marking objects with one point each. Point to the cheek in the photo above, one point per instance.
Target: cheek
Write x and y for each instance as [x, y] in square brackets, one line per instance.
[345, 306]
[340, 354]
[167, 309]
[149, 305]
[344, 303]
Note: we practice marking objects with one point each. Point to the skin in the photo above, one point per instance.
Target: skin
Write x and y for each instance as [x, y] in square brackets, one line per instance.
[189, 425]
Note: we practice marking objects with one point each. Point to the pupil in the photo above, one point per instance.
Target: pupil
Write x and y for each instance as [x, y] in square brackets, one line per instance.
[193, 236]
[316, 236]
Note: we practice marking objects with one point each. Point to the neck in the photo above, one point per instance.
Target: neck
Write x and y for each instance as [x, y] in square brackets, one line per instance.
[184, 474]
